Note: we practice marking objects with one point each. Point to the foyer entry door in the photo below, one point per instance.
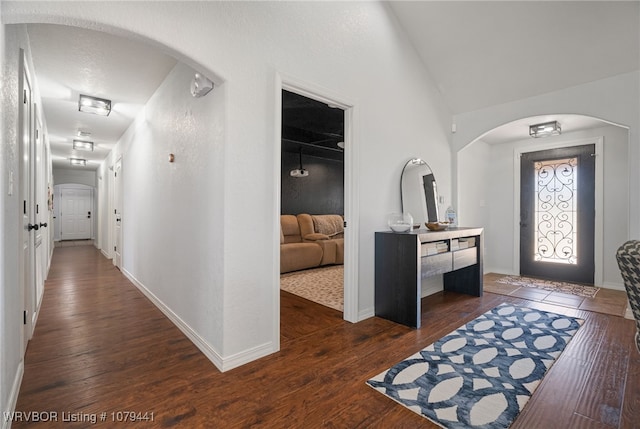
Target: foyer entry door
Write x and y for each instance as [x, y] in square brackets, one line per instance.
[76, 215]
[557, 214]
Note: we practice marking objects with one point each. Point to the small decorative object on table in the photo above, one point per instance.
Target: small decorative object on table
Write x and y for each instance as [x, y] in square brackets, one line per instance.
[400, 222]
[451, 216]
[437, 226]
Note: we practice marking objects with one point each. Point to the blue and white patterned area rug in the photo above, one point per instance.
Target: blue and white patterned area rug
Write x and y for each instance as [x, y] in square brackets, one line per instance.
[482, 374]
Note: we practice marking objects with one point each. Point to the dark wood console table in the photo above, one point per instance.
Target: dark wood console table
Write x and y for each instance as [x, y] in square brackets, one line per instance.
[404, 259]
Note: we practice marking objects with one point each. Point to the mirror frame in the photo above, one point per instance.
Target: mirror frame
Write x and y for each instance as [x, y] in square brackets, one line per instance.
[419, 220]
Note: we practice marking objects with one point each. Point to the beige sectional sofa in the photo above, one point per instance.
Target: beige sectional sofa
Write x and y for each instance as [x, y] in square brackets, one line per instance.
[308, 241]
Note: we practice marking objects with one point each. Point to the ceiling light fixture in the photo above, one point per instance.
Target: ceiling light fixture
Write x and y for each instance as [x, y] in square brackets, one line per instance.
[77, 161]
[83, 145]
[97, 106]
[299, 172]
[544, 130]
[83, 133]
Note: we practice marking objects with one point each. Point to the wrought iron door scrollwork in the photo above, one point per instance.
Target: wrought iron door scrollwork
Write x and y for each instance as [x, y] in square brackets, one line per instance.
[556, 210]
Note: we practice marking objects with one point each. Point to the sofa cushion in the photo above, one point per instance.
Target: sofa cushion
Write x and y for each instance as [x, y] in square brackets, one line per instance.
[290, 229]
[299, 256]
[329, 225]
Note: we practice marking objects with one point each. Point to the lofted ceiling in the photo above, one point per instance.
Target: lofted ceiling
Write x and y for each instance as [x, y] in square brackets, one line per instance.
[484, 53]
[479, 53]
[70, 61]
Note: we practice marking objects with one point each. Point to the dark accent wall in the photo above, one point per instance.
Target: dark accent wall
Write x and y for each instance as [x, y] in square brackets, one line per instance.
[322, 192]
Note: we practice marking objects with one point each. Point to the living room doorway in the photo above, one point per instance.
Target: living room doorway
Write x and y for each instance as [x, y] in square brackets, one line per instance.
[314, 201]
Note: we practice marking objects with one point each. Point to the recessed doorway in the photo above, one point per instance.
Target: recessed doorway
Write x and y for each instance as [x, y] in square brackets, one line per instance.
[312, 200]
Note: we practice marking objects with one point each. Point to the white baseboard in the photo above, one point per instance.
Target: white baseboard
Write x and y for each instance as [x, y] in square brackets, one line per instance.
[13, 396]
[614, 286]
[366, 314]
[500, 271]
[105, 254]
[628, 314]
[222, 363]
[246, 356]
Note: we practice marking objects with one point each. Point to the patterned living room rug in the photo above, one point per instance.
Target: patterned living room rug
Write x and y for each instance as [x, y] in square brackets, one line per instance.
[570, 288]
[483, 373]
[324, 285]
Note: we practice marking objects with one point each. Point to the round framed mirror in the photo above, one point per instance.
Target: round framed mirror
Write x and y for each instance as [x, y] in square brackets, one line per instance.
[419, 192]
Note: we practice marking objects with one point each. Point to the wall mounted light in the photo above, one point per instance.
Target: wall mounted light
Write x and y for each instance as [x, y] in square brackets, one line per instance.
[200, 86]
[77, 161]
[95, 105]
[83, 145]
[544, 130]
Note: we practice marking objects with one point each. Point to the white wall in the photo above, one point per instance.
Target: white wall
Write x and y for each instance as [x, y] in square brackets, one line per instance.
[475, 168]
[365, 57]
[615, 99]
[172, 215]
[495, 164]
[12, 39]
[62, 176]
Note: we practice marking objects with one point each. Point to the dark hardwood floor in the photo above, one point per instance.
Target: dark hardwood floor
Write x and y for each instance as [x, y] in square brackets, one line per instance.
[100, 347]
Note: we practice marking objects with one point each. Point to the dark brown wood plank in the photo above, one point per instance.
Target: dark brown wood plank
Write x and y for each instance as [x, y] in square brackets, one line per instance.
[101, 346]
[606, 380]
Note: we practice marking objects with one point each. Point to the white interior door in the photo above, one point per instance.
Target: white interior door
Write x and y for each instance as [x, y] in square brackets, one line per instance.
[41, 214]
[27, 238]
[117, 218]
[75, 213]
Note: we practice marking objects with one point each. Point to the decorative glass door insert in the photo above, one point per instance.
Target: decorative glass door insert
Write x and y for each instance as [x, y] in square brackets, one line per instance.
[556, 211]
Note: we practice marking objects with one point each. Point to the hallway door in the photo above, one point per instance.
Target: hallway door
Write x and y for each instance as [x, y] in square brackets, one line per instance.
[76, 213]
[117, 211]
[42, 212]
[26, 183]
[557, 214]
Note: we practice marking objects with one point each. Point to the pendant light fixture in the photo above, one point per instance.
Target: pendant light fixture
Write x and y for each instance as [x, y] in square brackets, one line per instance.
[299, 172]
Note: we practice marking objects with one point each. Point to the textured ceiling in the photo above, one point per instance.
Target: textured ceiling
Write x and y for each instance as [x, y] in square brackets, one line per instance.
[69, 61]
[483, 53]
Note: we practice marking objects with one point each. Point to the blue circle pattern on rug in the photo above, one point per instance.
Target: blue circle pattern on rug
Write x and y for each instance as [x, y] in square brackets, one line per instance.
[482, 374]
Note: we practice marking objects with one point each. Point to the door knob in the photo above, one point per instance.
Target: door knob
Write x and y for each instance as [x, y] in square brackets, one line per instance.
[43, 224]
[30, 227]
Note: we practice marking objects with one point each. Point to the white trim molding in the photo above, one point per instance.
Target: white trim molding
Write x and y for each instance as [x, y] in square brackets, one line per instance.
[351, 189]
[7, 413]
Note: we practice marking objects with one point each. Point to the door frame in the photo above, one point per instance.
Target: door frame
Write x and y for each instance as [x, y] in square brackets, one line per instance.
[92, 197]
[598, 275]
[26, 263]
[117, 199]
[351, 192]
